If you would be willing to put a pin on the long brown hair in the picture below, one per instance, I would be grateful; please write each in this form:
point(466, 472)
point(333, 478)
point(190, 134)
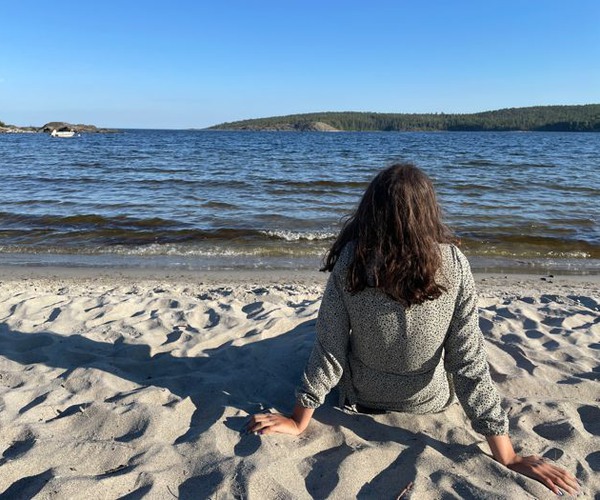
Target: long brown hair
point(396, 231)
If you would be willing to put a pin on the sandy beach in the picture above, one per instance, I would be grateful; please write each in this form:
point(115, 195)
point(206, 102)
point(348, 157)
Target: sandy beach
point(131, 384)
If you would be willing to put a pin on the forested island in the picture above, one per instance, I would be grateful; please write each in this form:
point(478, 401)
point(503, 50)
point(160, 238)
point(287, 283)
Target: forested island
point(583, 118)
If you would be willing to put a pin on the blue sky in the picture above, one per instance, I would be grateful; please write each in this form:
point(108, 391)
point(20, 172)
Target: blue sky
point(183, 64)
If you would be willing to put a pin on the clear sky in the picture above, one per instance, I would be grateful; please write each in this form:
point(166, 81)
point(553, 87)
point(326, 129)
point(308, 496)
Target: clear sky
point(181, 64)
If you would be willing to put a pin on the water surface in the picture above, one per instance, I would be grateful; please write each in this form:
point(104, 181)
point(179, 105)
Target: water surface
point(275, 199)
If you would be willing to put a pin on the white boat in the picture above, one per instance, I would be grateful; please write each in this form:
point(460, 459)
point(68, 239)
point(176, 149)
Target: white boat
point(62, 133)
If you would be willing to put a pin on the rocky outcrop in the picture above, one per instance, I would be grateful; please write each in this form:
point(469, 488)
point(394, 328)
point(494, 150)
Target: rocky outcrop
point(50, 126)
point(318, 127)
point(79, 128)
point(306, 126)
point(11, 129)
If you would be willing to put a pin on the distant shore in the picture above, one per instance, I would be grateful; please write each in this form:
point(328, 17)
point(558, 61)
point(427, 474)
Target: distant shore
point(585, 118)
point(48, 127)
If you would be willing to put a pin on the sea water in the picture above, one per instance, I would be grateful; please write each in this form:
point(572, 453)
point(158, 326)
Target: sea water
point(215, 199)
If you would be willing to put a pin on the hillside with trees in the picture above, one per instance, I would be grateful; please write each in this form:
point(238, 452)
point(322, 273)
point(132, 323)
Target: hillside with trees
point(583, 118)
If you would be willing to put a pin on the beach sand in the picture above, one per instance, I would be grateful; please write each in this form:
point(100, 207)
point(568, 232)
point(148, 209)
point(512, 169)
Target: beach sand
point(136, 384)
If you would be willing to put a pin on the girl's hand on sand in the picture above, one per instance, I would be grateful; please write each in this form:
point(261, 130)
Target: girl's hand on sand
point(271, 423)
point(556, 479)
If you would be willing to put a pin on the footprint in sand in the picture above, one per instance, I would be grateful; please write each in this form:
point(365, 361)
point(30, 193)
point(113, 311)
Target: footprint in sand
point(590, 375)
point(213, 318)
point(529, 324)
point(319, 480)
point(174, 336)
point(590, 418)
point(570, 381)
point(11, 311)
point(553, 321)
point(534, 334)
point(511, 338)
point(527, 300)
point(191, 329)
point(18, 448)
point(137, 431)
point(504, 312)
point(517, 354)
point(551, 345)
point(554, 431)
point(28, 487)
point(485, 325)
point(556, 331)
point(54, 314)
point(300, 307)
point(593, 460)
point(204, 485)
point(547, 299)
point(587, 302)
point(247, 445)
point(253, 310)
point(554, 453)
point(32, 404)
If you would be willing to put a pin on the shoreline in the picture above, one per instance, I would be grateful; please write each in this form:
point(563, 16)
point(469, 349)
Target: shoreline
point(269, 276)
point(181, 265)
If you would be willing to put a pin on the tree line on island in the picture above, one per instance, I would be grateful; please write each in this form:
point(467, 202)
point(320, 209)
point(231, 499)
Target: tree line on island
point(583, 118)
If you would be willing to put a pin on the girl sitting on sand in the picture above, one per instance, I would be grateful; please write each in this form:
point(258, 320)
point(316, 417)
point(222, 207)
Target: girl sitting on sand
point(398, 325)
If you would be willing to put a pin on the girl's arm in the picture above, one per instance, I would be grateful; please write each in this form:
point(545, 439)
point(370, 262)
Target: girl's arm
point(324, 368)
point(270, 423)
point(556, 479)
point(466, 360)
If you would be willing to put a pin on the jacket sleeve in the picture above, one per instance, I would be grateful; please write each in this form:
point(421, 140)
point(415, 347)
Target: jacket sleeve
point(465, 359)
point(327, 360)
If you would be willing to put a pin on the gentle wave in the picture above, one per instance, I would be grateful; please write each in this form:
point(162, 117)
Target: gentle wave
point(318, 184)
point(96, 229)
point(479, 163)
point(149, 232)
point(282, 248)
point(531, 247)
point(298, 236)
point(80, 221)
point(219, 205)
point(174, 250)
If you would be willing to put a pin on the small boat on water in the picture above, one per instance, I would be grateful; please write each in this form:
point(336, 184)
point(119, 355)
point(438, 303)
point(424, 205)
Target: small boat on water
point(63, 132)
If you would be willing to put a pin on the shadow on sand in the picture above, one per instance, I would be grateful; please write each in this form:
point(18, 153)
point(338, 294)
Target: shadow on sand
point(226, 377)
